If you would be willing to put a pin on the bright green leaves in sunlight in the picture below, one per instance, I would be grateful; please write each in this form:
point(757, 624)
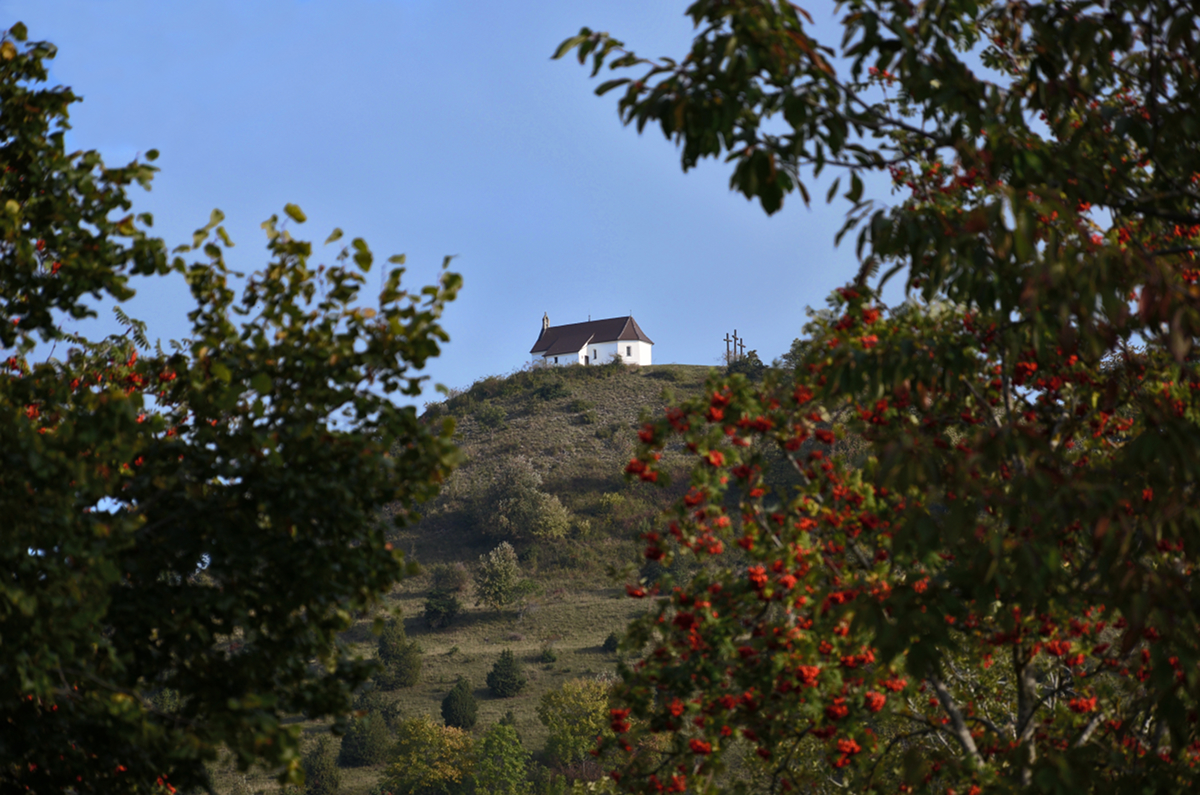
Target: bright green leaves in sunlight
point(186, 531)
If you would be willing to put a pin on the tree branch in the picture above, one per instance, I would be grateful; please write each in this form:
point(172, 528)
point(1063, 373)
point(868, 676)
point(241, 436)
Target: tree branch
point(958, 724)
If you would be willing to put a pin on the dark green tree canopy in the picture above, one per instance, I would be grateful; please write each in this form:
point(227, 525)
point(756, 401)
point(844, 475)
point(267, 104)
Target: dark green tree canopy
point(459, 708)
point(200, 521)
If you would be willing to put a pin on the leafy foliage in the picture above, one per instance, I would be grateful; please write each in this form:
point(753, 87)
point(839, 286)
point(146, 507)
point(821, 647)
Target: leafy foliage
point(399, 657)
point(441, 608)
point(575, 713)
point(450, 577)
point(367, 741)
point(749, 365)
point(612, 643)
point(514, 506)
point(489, 415)
point(431, 760)
point(502, 762)
point(506, 680)
point(321, 774)
point(459, 708)
point(262, 450)
point(498, 577)
point(1000, 594)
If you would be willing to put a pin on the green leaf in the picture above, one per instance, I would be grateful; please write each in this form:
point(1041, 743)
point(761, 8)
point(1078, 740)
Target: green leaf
point(295, 213)
point(362, 255)
point(571, 44)
point(856, 188)
point(396, 259)
point(833, 189)
point(152, 154)
point(336, 234)
point(609, 85)
point(262, 383)
point(19, 31)
point(219, 370)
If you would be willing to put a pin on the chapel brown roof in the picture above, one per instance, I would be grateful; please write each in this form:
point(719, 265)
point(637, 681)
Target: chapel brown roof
point(571, 337)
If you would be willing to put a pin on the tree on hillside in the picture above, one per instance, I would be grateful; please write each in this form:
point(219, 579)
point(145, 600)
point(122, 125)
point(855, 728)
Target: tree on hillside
point(506, 680)
point(431, 759)
point(574, 714)
point(321, 774)
point(502, 762)
point(367, 741)
point(498, 577)
point(459, 708)
point(399, 657)
point(514, 506)
point(201, 521)
point(1000, 598)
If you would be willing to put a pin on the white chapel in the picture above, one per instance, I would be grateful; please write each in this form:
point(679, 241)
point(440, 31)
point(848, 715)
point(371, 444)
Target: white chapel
point(593, 342)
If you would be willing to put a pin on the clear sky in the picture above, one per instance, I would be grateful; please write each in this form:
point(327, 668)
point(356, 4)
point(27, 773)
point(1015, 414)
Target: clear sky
point(436, 127)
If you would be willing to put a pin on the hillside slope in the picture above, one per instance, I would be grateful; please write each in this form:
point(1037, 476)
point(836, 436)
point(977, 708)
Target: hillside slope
point(566, 434)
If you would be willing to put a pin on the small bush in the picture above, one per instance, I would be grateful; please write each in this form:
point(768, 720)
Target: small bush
point(400, 658)
point(366, 742)
point(505, 679)
point(375, 702)
point(608, 431)
point(749, 365)
point(489, 415)
point(547, 654)
point(552, 389)
point(612, 643)
point(452, 577)
point(321, 775)
point(441, 608)
point(459, 708)
point(579, 404)
point(589, 418)
point(672, 374)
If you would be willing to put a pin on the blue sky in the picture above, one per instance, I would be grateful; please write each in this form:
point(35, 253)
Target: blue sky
point(435, 127)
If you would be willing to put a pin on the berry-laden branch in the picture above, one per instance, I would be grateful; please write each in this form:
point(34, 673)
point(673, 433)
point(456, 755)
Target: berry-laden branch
point(972, 512)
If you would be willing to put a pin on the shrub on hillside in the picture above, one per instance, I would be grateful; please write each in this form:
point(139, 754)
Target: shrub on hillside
point(400, 658)
point(748, 365)
point(504, 499)
point(666, 373)
point(612, 643)
point(441, 608)
point(498, 577)
point(489, 415)
point(515, 506)
point(378, 703)
point(366, 742)
point(321, 775)
point(451, 577)
point(553, 388)
point(505, 679)
point(459, 708)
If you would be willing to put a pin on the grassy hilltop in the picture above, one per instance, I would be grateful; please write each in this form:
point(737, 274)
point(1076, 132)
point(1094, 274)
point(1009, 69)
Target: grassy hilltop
point(566, 434)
